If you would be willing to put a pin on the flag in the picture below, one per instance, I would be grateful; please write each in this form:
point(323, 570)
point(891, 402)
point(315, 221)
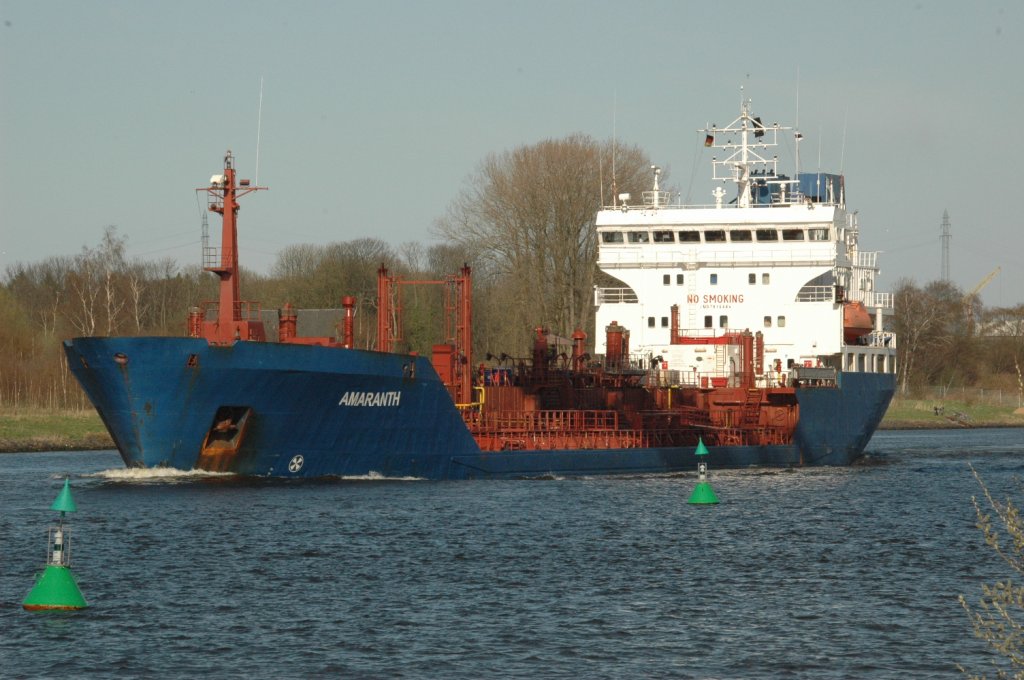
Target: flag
point(709, 140)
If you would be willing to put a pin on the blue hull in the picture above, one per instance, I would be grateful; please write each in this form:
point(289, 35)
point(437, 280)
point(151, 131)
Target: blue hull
point(317, 411)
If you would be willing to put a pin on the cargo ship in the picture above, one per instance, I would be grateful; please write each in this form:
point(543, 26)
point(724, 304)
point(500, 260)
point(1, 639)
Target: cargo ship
point(751, 324)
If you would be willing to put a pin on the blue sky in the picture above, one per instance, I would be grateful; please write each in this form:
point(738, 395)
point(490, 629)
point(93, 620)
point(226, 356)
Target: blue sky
point(375, 114)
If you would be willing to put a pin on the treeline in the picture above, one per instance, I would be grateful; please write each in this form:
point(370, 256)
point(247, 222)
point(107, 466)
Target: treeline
point(524, 222)
point(947, 338)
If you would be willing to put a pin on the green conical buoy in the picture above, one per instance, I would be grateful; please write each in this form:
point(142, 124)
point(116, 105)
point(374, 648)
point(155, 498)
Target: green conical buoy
point(702, 494)
point(64, 502)
point(56, 587)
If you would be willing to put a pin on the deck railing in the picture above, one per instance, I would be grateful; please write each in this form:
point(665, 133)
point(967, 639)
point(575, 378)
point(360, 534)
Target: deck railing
point(816, 294)
point(608, 296)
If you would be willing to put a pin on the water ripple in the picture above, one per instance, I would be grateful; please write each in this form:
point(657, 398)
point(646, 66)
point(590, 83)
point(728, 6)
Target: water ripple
point(823, 573)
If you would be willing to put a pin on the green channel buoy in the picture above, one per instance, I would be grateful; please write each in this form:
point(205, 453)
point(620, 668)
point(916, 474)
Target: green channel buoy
point(56, 587)
point(64, 502)
point(702, 494)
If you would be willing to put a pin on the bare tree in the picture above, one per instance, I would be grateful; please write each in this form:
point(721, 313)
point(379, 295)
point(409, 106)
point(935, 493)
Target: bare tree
point(85, 284)
point(527, 216)
point(296, 261)
point(936, 345)
point(317, 276)
point(41, 288)
point(444, 258)
point(111, 260)
point(144, 281)
point(1003, 331)
point(413, 256)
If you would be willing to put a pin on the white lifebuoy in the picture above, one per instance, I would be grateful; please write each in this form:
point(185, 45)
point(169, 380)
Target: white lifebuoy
point(295, 464)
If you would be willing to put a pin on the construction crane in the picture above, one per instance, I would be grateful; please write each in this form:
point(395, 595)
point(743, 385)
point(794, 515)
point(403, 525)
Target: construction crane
point(971, 298)
point(984, 282)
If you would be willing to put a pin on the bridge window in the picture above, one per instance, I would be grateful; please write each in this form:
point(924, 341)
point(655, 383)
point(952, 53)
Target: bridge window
point(792, 234)
point(664, 322)
point(638, 237)
point(767, 234)
point(679, 279)
point(782, 322)
point(714, 236)
point(723, 321)
point(611, 237)
point(650, 322)
point(689, 237)
point(707, 322)
point(767, 322)
point(739, 235)
point(820, 234)
point(752, 279)
point(666, 279)
point(766, 279)
point(714, 279)
point(663, 237)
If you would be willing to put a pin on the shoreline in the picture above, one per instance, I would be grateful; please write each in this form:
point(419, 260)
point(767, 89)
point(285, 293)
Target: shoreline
point(32, 429)
point(94, 441)
point(924, 425)
point(41, 444)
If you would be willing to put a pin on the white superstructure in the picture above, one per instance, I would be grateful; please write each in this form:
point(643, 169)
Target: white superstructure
point(781, 258)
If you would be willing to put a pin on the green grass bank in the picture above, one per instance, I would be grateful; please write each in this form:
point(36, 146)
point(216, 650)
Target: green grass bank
point(45, 430)
point(29, 429)
point(952, 413)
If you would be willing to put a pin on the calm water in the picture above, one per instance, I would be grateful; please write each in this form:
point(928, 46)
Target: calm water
point(828, 573)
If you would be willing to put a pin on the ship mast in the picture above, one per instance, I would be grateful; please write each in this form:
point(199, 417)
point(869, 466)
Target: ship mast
point(236, 319)
point(745, 159)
